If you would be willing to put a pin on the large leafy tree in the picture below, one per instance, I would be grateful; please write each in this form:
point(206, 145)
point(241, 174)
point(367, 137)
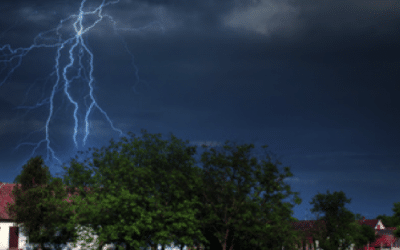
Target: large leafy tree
point(317, 232)
point(147, 192)
point(33, 174)
point(388, 221)
point(137, 197)
point(362, 235)
point(341, 229)
point(36, 208)
point(258, 221)
point(392, 221)
point(208, 229)
point(207, 226)
point(238, 238)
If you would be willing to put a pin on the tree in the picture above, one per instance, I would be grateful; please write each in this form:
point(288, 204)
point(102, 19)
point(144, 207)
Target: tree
point(47, 174)
point(341, 227)
point(148, 178)
point(208, 230)
point(33, 174)
point(34, 210)
point(316, 233)
point(273, 240)
point(207, 227)
point(358, 217)
point(235, 237)
point(392, 221)
point(363, 235)
point(137, 193)
point(359, 235)
point(229, 204)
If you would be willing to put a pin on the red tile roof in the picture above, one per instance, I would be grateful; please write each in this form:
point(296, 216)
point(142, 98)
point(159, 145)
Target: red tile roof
point(371, 223)
point(385, 240)
point(5, 197)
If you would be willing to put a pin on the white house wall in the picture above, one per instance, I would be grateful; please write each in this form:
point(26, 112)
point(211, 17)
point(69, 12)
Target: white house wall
point(5, 236)
point(379, 224)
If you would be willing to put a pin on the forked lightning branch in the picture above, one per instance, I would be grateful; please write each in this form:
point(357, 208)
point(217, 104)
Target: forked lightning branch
point(76, 47)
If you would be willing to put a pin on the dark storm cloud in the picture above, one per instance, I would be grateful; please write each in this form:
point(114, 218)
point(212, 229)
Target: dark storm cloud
point(242, 41)
point(315, 80)
point(302, 28)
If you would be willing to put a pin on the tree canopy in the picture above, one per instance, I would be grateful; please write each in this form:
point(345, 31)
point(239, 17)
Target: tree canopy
point(229, 176)
point(392, 221)
point(147, 191)
point(341, 228)
point(139, 187)
point(36, 206)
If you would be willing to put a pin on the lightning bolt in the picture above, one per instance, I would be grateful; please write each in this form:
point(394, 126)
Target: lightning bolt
point(77, 47)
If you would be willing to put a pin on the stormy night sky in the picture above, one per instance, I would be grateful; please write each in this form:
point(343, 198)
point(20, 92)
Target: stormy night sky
point(316, 81)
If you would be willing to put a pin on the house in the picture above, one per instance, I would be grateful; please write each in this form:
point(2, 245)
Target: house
point(10, 235)
point(385, 239)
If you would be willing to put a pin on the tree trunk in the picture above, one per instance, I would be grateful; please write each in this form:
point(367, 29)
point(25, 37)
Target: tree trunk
point(153, 246)
point(101, 245)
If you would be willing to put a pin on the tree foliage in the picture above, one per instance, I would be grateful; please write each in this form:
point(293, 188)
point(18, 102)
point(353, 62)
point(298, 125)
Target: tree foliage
point(139, 187)
point(147, 191)
point(36, 206)
point(229, 201)
point(33, 174)
point(363, 235)
point(342, 229)
point(392, 221)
